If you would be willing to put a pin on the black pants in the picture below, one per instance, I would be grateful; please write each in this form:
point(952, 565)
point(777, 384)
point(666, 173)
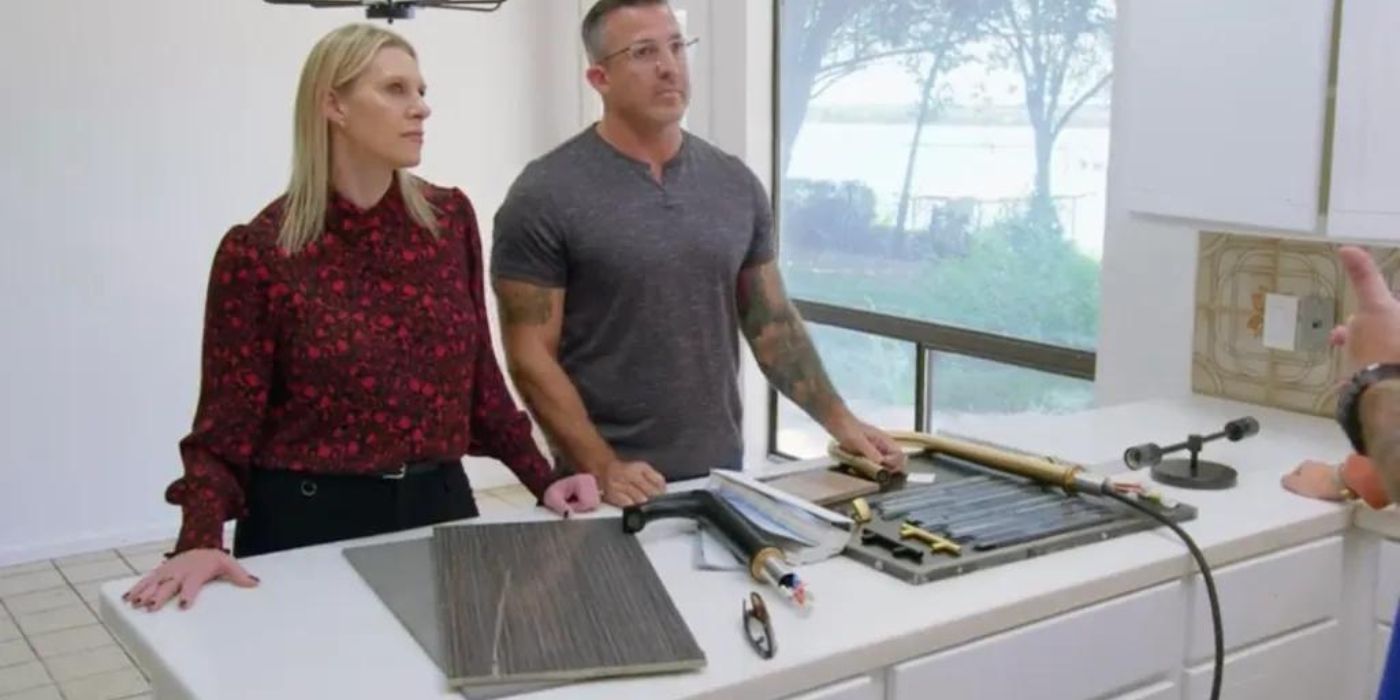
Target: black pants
point(288, 510)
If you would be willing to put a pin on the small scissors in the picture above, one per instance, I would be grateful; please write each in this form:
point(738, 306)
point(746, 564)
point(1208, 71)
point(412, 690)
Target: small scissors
point(762, 641)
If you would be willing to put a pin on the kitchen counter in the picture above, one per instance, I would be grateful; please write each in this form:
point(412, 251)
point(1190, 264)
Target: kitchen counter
point(314, 629)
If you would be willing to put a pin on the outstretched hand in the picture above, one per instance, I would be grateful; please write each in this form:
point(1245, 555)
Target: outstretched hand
point(1372, 334)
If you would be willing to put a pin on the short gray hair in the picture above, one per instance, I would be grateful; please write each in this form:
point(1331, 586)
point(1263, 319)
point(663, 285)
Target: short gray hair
point(592, 29)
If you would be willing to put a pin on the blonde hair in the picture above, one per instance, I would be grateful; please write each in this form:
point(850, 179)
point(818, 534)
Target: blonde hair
point(335, 63)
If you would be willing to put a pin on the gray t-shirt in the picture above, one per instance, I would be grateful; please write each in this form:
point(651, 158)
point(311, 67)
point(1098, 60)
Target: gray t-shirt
point(649, 272)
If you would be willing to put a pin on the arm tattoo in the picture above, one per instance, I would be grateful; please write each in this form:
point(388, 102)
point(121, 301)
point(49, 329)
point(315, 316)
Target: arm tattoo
point(525, 305)
point(781, 345)
point(1380, 425)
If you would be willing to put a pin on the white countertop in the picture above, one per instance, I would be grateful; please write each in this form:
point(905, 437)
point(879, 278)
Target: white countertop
point(314, 629)
point(1385, 523)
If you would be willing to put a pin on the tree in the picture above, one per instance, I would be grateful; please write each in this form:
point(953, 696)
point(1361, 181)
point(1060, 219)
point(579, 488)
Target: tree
point(943, 29)
point(826, 40)
point(1057, 46)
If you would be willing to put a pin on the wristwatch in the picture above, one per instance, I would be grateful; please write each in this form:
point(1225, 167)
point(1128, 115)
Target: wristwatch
point(1349, 400)
point(1344, 492)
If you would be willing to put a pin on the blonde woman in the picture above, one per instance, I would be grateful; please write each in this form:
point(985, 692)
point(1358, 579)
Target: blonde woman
point(347, 362)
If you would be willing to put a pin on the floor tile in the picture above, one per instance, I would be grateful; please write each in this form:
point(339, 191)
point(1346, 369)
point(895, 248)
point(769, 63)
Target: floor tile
point(89, 592)
point(71, 667)
point(106, 686)
point(71, 640)
point(23, 677)
point(43, 692)
point(32, 567)
point(86, 558)
point(158, 547)
point(28, 583)
point(15, 651)
point(8, 630)
point(39, 601)
point(143, 563)
point(54, 620)
point(96, 571)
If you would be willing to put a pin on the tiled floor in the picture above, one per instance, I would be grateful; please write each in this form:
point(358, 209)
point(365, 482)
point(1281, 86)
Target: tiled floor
point(53, 647)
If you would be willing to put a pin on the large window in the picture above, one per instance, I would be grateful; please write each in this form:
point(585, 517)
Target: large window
point(942, 169)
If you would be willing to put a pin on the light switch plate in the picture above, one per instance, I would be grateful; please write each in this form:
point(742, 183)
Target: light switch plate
point(1317, 316)
point(1281, 322)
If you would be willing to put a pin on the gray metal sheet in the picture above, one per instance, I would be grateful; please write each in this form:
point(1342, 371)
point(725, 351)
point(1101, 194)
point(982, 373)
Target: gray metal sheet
point(629, 627)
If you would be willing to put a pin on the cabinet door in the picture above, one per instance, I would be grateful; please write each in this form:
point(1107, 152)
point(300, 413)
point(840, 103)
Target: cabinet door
point(1380, 649)
point(1225, 107)
point(1165, 690)
point(1387, 581)
point(1123, 643)
point(1266, 596)
point(860, 688)
point(1365, 194)
point(1292, 667)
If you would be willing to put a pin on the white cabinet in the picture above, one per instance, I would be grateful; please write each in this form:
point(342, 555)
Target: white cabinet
point(1380, 647)
point(1365, 192)
point(1226, 106)
point(1267, 596)
point(1156, 691)
point(1123, 643)
point(861, 688)
point(1294, 667)
point(1387, 582)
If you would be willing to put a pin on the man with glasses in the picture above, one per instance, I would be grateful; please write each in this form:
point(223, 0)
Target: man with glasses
point(627, 261)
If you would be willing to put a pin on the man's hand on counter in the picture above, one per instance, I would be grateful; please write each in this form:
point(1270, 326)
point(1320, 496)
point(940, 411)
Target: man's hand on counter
point(858, 437)
point(1355, 478)
point(1315, 479)
point(629, 483)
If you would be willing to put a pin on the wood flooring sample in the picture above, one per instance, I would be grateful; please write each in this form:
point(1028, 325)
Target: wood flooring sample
point(550, 601)
point(824, 486)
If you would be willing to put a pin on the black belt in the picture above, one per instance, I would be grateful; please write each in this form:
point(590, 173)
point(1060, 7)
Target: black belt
point(408, 469)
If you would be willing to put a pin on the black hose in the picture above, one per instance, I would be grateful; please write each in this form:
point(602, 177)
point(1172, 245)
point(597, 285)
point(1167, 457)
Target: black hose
point(699, 505)
point(1205, 574)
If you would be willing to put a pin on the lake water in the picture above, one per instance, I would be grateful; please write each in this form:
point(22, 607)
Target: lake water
point(979, 162)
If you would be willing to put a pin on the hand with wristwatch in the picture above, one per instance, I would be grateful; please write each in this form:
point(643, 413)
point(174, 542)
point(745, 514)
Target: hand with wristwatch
point(1371, 338)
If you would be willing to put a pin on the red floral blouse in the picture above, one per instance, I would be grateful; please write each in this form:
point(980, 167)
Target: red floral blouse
point(367, 349)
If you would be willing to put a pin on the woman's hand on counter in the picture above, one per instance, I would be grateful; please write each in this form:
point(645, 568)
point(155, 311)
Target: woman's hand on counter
point(183, 575)
point(572, 494)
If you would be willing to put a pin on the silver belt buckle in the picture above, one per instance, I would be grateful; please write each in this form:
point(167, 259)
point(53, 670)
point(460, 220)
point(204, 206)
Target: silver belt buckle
point(397, 474)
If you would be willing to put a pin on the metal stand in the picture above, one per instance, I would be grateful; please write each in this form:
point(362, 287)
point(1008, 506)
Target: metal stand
point(1192, 473)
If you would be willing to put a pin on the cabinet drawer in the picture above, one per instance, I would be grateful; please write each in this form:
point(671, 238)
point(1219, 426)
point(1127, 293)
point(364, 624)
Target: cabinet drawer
point(1267, 596)
point(1387, 581)
point(1165, 690)
point(1126, 642)
point(861, 688)
point(1378, 652)
point(1293, 667)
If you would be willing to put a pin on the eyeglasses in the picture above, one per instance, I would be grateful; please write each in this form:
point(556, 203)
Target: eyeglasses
point(649, 52)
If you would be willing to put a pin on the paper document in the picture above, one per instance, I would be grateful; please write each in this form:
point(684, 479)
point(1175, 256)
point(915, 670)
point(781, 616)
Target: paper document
point(806, 533)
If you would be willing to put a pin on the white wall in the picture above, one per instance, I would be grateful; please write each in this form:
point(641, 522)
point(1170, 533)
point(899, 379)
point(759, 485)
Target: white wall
point(1147, 314)
point(134, 135)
